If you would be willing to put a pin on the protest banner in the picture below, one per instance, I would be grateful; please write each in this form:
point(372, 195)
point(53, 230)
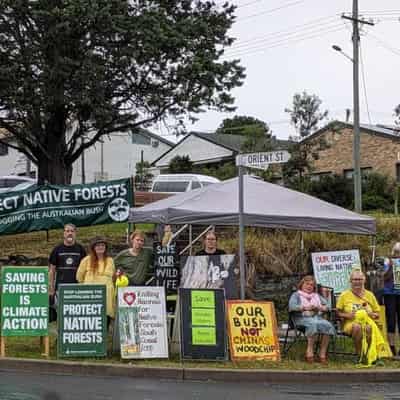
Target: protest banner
point(333, 268)
point(166, 266)
point(82, 322)
point(202, 316)
point(24, 303)
point(252, 330)
point(211, 272)
point(142, 321)
point(51, 206)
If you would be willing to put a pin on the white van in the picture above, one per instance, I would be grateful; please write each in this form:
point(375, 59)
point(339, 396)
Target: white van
point(177, 183)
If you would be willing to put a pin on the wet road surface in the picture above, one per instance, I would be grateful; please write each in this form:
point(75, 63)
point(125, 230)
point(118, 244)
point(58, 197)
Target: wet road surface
point(24, 386)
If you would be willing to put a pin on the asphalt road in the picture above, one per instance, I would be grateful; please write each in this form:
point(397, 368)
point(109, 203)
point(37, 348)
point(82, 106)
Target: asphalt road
point(24, 386)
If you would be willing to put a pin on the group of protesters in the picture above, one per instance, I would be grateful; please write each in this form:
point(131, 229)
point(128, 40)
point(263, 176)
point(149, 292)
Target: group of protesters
point(358, 310)
point(69, 263)
point(357, 307)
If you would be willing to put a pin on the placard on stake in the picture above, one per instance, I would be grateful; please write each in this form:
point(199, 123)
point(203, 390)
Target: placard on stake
point(24, 305)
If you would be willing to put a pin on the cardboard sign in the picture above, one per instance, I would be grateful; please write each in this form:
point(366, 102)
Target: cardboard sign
point(333, 268)
point(82, 323)
point(202, 315)
point(142, 320)
point(166, 265)
point(252, 330)
point(396, 272)
point(24, 301)
point(211, 272)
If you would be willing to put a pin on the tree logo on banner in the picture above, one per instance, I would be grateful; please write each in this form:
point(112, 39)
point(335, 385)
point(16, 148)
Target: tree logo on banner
point(118, 210)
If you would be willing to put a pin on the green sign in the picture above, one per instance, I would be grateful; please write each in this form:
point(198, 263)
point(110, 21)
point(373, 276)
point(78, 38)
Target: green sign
point(24, 301)
point(203, 336)
point(82, 322)
point(203, 318)
point(51, 206)
point(203, 299)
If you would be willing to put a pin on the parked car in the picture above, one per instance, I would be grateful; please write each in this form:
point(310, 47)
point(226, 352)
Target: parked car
point(178, 183)
point(10, 182)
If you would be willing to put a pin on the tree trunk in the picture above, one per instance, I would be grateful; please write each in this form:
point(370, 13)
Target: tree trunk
point(54, 171)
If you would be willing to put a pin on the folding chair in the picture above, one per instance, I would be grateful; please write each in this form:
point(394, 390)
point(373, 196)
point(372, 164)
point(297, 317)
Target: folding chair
point(298, 332)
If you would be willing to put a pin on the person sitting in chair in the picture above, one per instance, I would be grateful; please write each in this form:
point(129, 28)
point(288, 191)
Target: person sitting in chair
point(308, 307)
point(352, 300)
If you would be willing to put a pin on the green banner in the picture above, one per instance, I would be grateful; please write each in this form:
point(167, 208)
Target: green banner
point(24, 301)
point(52, 206)
point(82, 322)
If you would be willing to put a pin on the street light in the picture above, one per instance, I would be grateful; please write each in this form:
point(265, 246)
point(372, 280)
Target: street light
point(339, 49)
point(356, 122)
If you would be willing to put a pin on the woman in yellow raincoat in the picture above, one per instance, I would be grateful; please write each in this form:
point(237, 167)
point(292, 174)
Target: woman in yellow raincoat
point(98, 268)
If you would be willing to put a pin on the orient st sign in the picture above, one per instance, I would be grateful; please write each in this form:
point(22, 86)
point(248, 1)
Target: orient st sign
point(262, 160)
point(259, 161)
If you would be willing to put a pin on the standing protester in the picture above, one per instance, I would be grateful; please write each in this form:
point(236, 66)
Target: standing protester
point(63, 263)
point(98, 268)
point(136, 262)
point(391, 299)
point(210, 246)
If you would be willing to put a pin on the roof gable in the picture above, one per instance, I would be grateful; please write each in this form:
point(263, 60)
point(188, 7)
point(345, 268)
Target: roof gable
point(364, 128)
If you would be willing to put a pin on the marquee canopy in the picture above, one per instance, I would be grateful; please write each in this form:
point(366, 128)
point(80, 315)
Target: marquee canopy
point(265, 205)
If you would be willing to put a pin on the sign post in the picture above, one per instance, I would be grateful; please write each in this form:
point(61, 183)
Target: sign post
point(258, 161)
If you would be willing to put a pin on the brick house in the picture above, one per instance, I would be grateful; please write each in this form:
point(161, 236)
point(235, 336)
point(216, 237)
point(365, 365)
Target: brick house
point(379, 150)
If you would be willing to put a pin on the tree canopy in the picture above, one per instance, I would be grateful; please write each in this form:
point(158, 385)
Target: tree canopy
point(305, 113)
point(245, 126)
point(72, 71)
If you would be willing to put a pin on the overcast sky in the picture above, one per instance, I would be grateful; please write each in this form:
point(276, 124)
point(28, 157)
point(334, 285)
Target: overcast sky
point(286, 47)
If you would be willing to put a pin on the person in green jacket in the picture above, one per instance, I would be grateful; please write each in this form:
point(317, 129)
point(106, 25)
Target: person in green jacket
point(136, 262)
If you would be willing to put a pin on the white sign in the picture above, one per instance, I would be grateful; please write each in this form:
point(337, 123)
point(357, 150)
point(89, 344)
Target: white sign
point(142, 320)
point(333, 268)
point(262, 160)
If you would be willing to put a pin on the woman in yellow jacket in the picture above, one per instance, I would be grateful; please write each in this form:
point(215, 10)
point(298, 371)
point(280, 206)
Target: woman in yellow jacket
point(98, 268)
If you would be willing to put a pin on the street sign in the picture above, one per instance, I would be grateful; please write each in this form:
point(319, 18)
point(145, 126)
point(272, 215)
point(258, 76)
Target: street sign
point(262, 160)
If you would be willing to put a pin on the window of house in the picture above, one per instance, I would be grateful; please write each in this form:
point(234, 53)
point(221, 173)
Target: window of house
point(398, 172)
point(3, 149)
point(365, 171)
point(138, 138)
point(317, 176)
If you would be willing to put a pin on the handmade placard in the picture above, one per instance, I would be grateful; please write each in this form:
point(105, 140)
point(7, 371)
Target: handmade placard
point(252, 330)
point(142, 322)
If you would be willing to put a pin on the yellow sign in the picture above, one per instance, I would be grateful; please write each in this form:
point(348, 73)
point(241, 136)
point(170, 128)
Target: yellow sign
point(252, 330)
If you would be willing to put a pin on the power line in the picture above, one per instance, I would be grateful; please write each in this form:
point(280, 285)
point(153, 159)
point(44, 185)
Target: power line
point(271, 10)
point(283, 42)
point(325, 21)
point(383, 44)
point(364, 86)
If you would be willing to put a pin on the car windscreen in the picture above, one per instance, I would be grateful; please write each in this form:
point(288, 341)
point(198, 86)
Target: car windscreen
point(170, 186)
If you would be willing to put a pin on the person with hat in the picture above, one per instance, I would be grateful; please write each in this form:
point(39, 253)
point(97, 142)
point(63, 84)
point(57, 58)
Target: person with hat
point(98, 268)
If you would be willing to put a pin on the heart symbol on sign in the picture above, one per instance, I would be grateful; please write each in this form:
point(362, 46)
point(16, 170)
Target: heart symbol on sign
point(129, 298)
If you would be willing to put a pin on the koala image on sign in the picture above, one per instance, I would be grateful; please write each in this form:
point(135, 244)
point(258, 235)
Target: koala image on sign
point(211, 272)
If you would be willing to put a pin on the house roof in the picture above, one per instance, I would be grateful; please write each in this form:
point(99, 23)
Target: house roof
point(228, 141)
point(233, 142)
point(156, 137)
point(381, 130)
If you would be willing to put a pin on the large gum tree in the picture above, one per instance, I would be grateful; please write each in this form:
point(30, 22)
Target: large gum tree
point(73, 71)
